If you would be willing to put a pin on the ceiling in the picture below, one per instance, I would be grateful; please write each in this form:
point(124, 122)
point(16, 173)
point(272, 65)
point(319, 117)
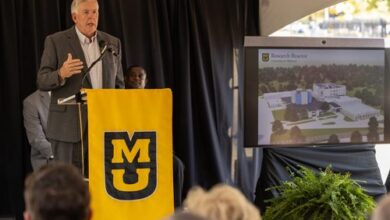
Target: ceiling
point(275, 14)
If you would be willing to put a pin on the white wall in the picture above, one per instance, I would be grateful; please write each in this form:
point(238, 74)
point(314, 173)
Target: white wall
point(383, 158)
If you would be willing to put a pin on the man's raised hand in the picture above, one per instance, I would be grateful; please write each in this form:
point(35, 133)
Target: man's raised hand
point(70, 67)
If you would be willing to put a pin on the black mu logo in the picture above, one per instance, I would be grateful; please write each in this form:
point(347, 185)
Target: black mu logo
point(265, 57)
point(130, 164)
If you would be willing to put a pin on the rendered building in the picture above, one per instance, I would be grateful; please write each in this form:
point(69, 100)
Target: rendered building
point(328, 90)
point(301, 97)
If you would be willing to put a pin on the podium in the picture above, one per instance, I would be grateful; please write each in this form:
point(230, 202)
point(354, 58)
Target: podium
point(78, 99)
point(130, 153)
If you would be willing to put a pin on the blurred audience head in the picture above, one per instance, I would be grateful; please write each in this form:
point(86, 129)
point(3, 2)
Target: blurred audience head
point(135, 77)
point(222, 202)
point(56, 192)
point(382, 211)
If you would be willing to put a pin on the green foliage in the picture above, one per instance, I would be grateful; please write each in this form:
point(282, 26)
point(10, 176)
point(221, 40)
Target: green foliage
point(373, 4)
point(323, 195)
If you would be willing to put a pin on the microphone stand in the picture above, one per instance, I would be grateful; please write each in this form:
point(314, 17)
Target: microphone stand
point(80, 101)
point(78, 96)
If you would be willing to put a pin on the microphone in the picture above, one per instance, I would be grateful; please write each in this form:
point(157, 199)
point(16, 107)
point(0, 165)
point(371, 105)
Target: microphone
point(103, 46)
point(112, 50)
point(103, 49)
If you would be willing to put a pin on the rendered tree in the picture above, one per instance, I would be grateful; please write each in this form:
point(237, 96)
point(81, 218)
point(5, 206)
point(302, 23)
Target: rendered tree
point(356, 137)
point(296, 135)
point(274, 138)
point(373, 135)
point(325, 106)
point(291, 114)
point(263, 89)
point(333, 139)
point(277, 127)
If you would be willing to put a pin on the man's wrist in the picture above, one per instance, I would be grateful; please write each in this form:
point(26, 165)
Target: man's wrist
point(61, 80)
point(60, 75)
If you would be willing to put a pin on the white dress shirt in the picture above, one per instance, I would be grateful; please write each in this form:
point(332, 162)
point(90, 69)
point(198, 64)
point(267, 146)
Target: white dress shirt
point(91, 51)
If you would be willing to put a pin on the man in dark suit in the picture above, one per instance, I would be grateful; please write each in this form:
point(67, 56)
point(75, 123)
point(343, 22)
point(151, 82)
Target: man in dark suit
point(64, 63)
point(135, 77)
point(35, 112)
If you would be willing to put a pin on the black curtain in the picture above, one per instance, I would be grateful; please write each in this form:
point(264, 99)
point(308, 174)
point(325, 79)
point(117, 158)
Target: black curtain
point(186, 45)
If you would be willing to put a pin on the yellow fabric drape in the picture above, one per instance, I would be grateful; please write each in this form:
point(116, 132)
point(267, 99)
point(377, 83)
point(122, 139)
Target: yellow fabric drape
point(130, 153)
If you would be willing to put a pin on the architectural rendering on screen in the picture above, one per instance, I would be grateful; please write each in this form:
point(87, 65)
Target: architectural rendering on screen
point(320, 96)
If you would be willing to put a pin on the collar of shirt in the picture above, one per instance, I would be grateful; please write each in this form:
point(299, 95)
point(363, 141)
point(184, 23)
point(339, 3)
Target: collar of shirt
point(83, 39)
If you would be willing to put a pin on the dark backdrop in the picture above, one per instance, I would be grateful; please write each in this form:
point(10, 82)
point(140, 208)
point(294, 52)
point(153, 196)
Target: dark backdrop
point(185, 45)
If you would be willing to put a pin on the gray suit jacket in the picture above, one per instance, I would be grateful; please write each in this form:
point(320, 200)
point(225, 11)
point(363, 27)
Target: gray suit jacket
point(63, 122)
point(35, 112)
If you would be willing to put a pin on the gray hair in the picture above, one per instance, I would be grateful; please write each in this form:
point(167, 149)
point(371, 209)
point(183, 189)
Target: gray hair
point(76, 3)
point(382, 211)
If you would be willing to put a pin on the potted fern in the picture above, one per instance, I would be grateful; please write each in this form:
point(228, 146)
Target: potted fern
point(323, 195)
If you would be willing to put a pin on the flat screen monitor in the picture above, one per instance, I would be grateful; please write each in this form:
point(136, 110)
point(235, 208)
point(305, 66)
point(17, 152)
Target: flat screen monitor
point(310, 91)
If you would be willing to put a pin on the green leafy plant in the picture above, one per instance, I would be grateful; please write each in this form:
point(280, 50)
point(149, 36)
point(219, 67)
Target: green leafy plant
point(323, 195)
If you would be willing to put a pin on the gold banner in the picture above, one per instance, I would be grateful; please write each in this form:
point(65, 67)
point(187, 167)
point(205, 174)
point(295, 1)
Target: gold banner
point(130, 153)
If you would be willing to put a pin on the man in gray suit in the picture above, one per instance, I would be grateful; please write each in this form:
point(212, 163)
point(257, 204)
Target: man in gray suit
point(64, 63)
point(35, 111)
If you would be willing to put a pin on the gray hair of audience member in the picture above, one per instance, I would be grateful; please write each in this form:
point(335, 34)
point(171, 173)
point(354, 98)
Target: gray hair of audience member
point(382, 211)
point(56, 192)
point(222, 202)
point(76, 3)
